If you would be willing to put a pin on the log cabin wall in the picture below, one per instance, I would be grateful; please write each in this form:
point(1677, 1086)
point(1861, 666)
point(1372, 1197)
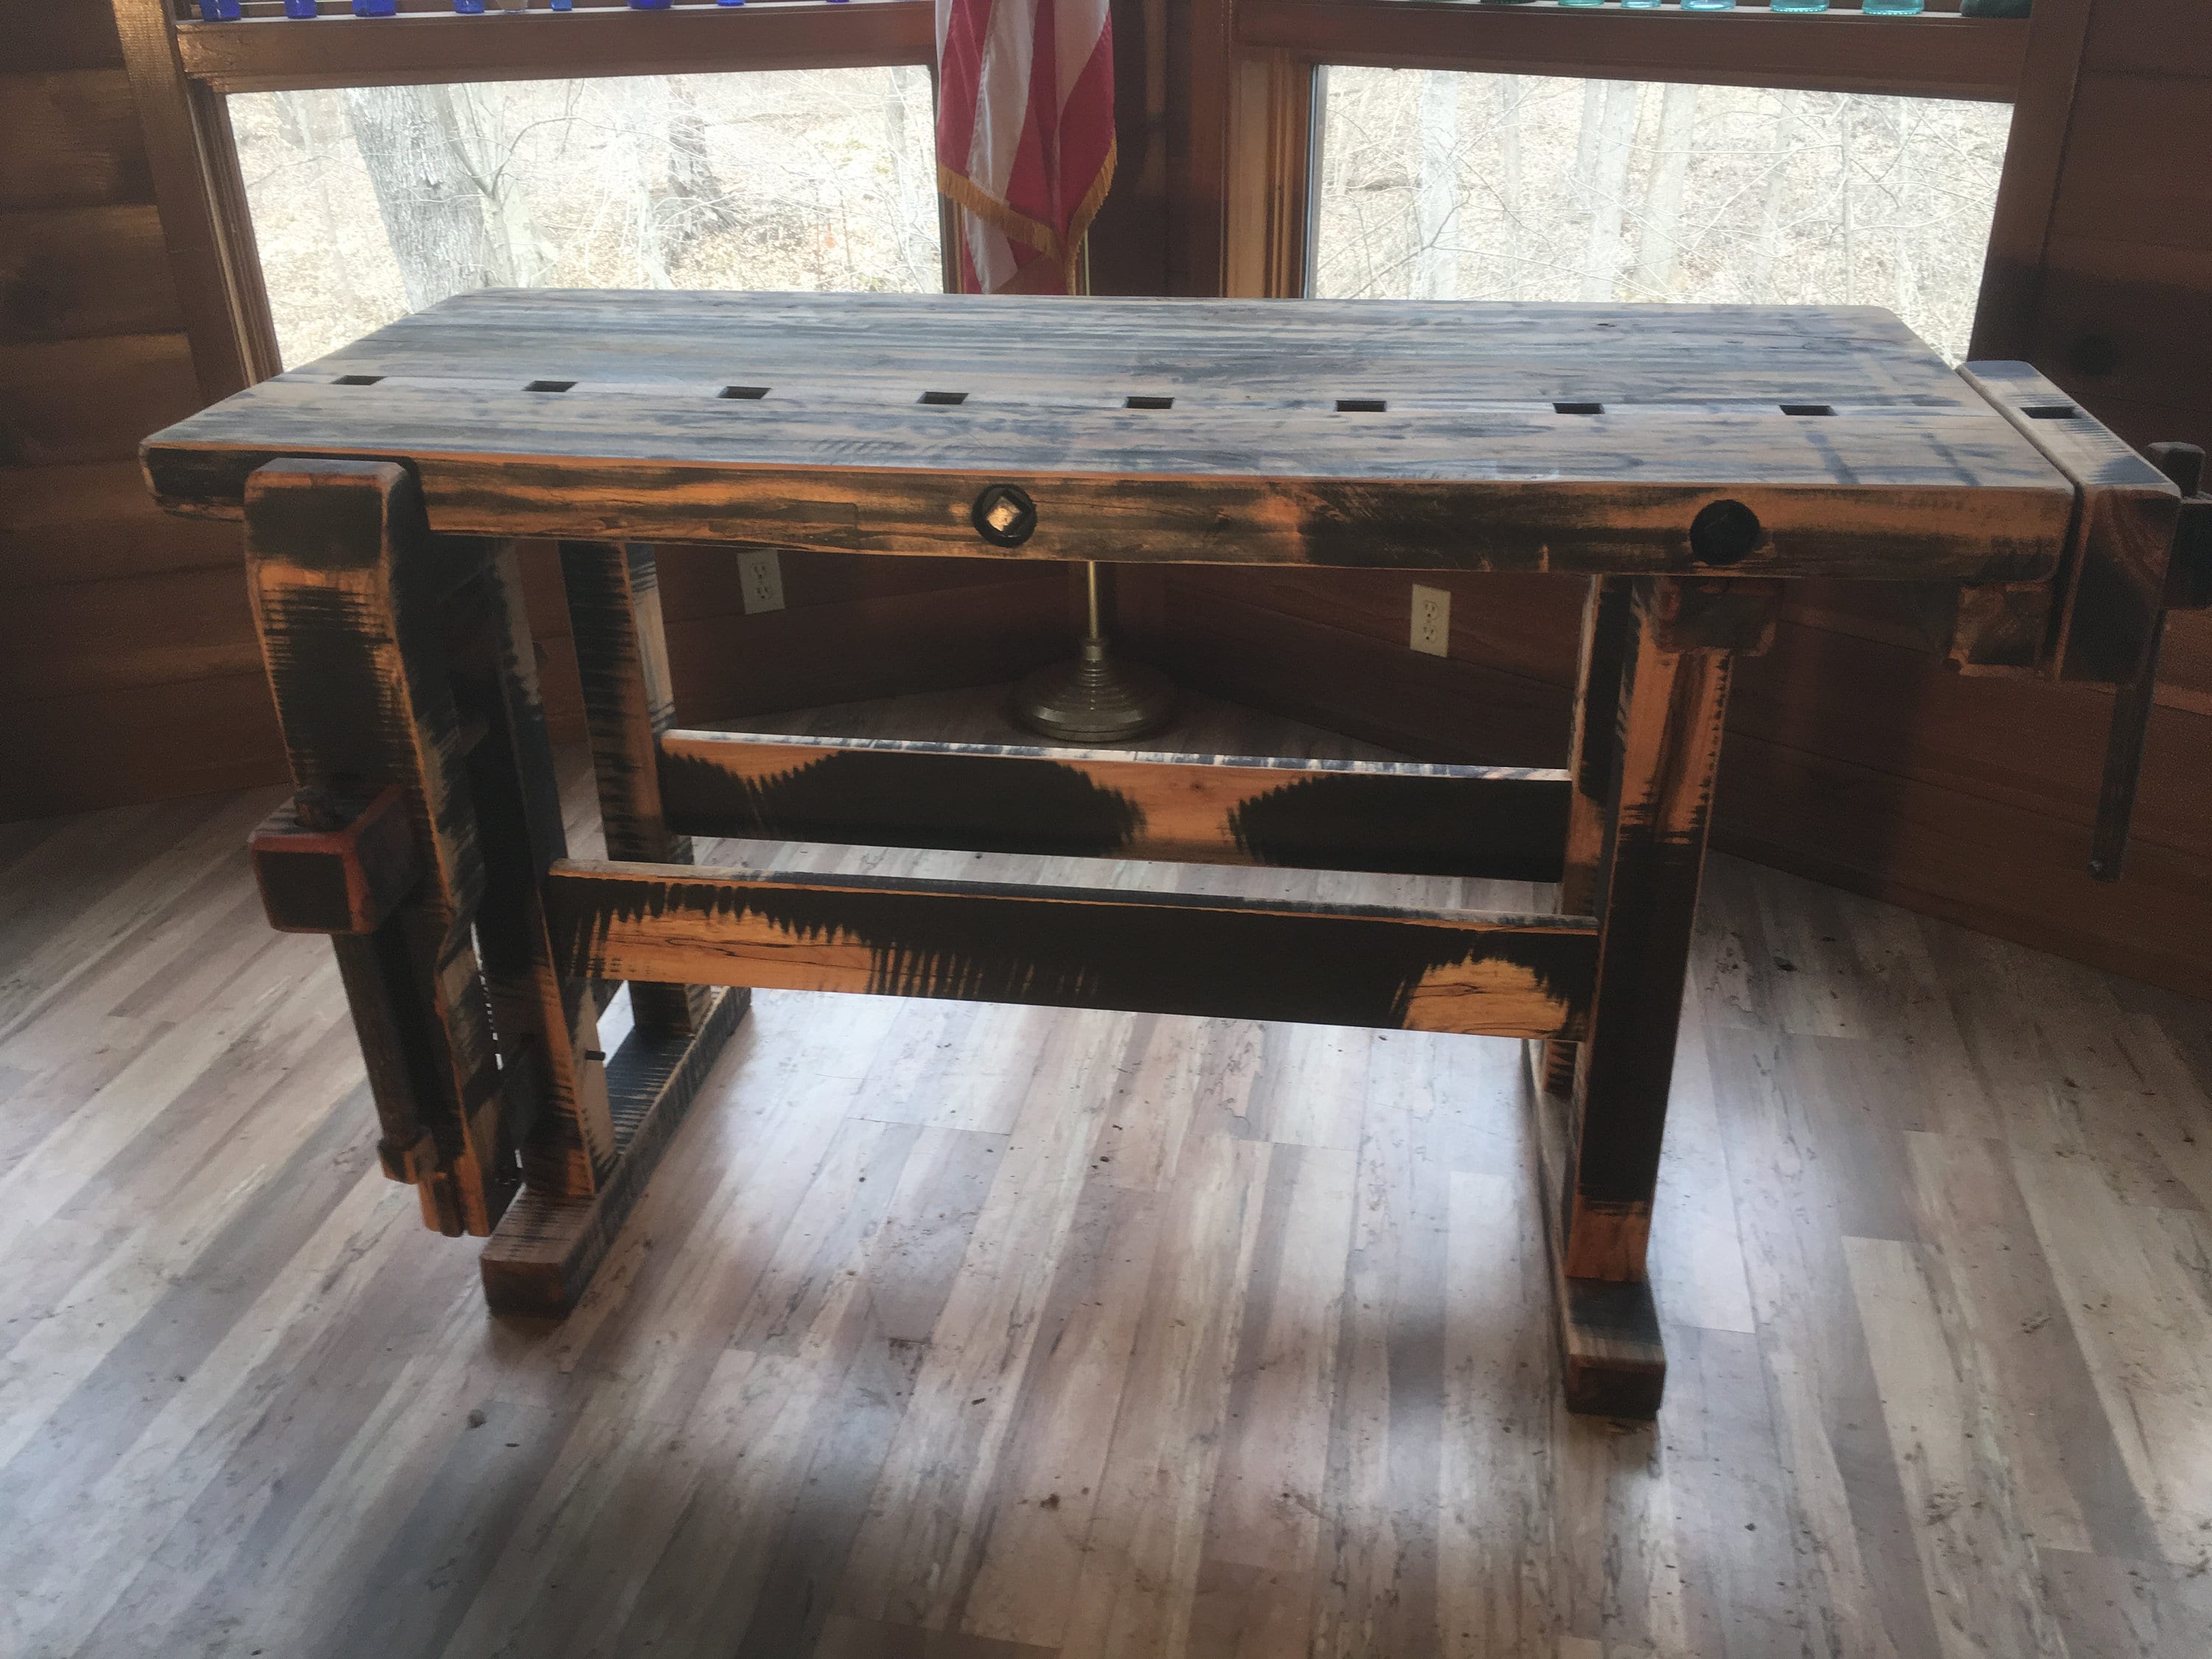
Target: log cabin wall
point(1852, 757)
point(128, 665)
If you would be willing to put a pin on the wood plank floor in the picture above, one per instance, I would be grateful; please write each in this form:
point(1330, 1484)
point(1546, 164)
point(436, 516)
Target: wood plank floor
point(958, 1332)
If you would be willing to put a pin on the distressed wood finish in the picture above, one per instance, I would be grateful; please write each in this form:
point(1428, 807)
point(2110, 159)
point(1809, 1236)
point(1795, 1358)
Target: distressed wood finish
point(2112, 587)
point(1665, 748)
point(1503, 823)
point(1607, 620)
point(546, 1247)
point(550, 1047)
point(1270, 452)
point(348, 585)
point(622, 663)
point(1073, 947)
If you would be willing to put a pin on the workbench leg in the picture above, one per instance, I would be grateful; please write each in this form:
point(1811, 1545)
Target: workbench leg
point(1602, 1151)
point(1590, 751)
point(621, 660)
point(552, 1240)
point(348, 589)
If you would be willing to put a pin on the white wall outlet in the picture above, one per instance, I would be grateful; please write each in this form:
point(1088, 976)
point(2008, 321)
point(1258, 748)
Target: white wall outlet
point(1432, 620)
point(760, 580)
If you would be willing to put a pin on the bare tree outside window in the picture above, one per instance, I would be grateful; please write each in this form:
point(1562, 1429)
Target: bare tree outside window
point(1439, 185)
point(373, 202)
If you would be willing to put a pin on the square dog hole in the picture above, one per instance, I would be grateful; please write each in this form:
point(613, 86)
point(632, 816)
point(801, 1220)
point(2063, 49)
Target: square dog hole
point(944, 399)
point(1577, 408)
point(1808, 408)
point(357, 380)
point(743, 392)
point(1361, 405)
point(549, 385)
point(2051, 412)
point(1149, 403)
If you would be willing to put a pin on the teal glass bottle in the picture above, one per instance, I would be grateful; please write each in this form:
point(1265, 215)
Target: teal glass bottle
point(1796, 5)
point(1581, 4)
point(1893, 8)
point(1643, 5)
point(1708, 5)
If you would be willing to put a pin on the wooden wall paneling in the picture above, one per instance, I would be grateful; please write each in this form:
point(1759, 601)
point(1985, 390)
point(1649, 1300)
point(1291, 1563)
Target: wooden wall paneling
point(71, 272)
point(193, 164)
point(137, 742)
point(1199, 75)
point(94, 521)
point(62, 641)
point(71, 140)
point(91, 399)
point(43, 36)
point(1128, 241)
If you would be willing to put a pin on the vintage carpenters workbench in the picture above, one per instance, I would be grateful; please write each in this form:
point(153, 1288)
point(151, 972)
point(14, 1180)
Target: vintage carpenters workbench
point(1686, 460)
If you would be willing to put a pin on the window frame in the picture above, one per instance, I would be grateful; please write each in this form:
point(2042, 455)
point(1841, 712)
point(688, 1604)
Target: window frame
point(182, 73)
point(1280, 48)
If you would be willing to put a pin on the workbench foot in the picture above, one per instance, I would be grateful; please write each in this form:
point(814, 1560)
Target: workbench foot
point(546, 1248)
point(1611, 1362)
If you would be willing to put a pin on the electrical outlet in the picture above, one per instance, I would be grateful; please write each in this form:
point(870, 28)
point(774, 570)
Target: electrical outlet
point(760, 580)
point(1432, 620)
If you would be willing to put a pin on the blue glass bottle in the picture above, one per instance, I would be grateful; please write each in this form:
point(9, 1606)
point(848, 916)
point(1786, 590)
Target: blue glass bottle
point(561, 5)
point(218, 11)
point(299, 8)
point(1893, 8)
point(469, 8)
point(729, 3)
point(374, 8)
point(649, 5)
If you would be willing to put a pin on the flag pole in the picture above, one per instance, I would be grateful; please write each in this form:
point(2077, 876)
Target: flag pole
point(1098, 697)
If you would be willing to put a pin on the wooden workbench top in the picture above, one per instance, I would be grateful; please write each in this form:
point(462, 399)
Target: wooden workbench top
point(1367, 433)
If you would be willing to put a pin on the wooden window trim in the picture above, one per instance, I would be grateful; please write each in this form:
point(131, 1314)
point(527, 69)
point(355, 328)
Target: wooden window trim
point(279, 55)
point(1932, 56)
point(1280, 47)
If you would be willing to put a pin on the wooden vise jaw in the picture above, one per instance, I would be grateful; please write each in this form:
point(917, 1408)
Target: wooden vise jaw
point(326, 864)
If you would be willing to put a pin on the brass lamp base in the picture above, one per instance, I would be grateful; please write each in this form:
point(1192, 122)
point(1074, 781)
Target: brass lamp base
point(1097, 698)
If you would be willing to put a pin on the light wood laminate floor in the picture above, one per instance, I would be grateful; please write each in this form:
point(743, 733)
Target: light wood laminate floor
point(958, 1332)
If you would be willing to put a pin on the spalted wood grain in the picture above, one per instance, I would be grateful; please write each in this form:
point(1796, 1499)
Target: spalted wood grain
point(622, 665)
point(346, 583)
point(1658, 808)
point(1163, 953)
point(1270, 451)
point(546, 1247)
point(1503, 823)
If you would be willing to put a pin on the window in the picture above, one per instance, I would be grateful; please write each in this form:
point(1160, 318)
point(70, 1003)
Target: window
point(1446, 185)
point(369, 202)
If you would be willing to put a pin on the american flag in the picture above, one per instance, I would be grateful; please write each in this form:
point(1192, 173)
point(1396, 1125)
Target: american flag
point(1024, 136)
